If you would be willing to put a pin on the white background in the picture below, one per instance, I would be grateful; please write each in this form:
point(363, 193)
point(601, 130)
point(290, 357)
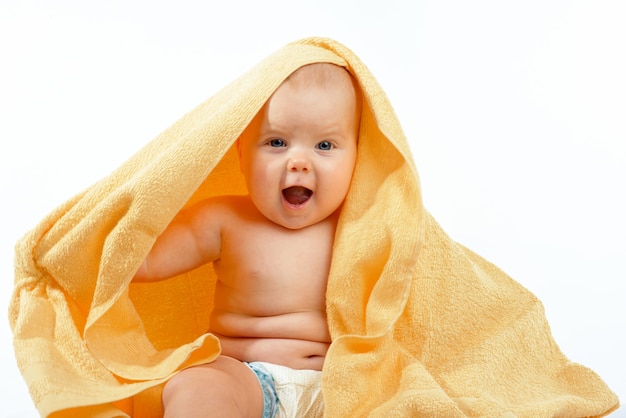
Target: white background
point(515, 111)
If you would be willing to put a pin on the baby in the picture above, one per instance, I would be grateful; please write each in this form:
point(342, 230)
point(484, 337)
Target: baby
point(271, 252)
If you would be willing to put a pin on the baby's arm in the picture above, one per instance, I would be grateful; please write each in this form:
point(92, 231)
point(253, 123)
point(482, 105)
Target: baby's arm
point(190, 240)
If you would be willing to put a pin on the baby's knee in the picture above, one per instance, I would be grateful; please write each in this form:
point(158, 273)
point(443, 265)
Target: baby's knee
point(184, 383)
point(213, 386)
point(190, 393)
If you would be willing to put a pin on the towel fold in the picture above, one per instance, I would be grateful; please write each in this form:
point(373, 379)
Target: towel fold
point(421, 326)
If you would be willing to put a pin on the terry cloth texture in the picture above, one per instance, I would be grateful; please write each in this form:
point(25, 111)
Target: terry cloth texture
point(420, 325)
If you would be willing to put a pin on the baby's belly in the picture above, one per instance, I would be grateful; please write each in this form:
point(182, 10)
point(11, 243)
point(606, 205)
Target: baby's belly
point(304, 325)
point(296, 339)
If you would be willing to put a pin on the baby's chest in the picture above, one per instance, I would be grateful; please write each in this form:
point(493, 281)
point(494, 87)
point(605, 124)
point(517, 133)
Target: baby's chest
point(274, 259)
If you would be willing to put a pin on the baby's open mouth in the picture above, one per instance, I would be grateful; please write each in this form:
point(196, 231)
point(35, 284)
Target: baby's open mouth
point(297, 195)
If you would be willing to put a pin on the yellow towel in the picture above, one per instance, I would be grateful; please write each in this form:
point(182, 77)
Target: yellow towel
point(421, 326)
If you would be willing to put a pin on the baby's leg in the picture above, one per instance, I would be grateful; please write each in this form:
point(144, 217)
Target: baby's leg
point(223, 388)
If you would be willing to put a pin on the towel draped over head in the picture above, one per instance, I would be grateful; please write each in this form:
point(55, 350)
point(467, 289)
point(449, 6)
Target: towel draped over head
point(420, 325)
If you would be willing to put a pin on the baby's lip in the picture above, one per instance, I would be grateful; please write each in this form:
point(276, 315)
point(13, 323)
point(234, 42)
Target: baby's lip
point(297, 195)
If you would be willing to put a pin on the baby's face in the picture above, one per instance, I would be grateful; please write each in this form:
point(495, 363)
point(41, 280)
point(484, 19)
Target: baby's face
point(298, 155)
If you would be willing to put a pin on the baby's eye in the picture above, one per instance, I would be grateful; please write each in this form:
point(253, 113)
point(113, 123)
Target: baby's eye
point(325, 146)
point(276, 143)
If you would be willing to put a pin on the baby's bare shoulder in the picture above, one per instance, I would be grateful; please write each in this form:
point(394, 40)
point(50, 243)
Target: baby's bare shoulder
point(224, 201)
point(219, 205)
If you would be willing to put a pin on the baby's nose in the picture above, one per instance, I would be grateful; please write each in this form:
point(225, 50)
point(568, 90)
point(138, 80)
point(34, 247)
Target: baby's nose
point(299, 162)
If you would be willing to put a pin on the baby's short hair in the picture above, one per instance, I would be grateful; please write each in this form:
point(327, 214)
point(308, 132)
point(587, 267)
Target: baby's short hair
point(323, 74)
point(318, 73)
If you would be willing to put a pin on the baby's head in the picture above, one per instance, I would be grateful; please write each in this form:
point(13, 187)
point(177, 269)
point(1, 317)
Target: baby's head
point(298, 154)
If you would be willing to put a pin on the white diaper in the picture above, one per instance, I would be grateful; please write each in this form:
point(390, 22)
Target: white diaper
point(299, 391)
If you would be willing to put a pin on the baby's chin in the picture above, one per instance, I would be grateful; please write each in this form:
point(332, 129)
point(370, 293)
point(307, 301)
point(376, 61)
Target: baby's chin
point(295, 215)
point(296, 222)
